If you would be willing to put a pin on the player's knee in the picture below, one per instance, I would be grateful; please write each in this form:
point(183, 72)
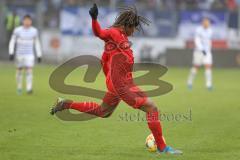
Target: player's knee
point(208, 66)
point(153, 109)
point(196, 66)
point(150, 106)
point(29, 69)
point(195, 69)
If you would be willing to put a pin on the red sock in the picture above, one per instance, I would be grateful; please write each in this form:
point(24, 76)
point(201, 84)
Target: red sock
point(155, 126)
point(87, 107)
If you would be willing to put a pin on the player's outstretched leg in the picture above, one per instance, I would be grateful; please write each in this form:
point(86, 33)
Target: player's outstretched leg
point(191, 77)
point(19, 77)
point(104, 110)
point(155, 126)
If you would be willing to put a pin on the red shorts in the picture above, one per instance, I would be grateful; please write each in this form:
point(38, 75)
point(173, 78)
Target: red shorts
point(129, 93)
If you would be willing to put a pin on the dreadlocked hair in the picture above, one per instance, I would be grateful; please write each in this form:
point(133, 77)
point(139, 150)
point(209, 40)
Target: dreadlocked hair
point(128, 17)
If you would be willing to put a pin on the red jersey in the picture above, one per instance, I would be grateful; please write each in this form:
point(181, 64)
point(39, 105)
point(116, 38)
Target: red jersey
point(117, 62)
point(116, 42)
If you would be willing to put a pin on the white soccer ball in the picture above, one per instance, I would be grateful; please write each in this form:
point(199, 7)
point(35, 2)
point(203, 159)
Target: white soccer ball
point(150, 143)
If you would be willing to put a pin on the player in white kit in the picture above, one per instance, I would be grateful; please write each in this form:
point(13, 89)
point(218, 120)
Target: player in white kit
point(23, 42)
point(202, 54)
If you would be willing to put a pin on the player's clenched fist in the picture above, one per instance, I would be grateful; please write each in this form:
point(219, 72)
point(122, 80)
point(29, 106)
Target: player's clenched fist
point(94, 11)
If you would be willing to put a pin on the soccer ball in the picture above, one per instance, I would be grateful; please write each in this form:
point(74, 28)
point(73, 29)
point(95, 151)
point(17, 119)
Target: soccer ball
point(150, 143)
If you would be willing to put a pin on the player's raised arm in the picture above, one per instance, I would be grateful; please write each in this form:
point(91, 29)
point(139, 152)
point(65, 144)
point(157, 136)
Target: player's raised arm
point(12, 45)
point(101, 33)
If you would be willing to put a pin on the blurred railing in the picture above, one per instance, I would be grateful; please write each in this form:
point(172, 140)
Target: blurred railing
point(66, 23)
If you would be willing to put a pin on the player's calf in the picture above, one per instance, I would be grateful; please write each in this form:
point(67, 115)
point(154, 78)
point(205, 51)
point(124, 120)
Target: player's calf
point(155, 126)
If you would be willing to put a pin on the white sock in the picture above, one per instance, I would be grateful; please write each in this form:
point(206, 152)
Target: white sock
point(191, 76)
point(19, 77)
point(208, 77)
point(29, 78)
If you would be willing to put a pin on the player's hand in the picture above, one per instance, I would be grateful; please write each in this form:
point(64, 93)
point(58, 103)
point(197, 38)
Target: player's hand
point(204, 52)
point(39, 59)
point(94, 11)
point(11, 57)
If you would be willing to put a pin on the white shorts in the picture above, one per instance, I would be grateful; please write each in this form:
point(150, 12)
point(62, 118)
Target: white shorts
point(200, 59)
point(23, 61)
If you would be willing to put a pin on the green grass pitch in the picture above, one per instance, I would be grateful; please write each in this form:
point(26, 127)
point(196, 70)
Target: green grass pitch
point(28, 131)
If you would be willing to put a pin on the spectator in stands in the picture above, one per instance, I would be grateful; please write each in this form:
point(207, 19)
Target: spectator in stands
point(219, 5)
point(12, 20)
point(232, 4)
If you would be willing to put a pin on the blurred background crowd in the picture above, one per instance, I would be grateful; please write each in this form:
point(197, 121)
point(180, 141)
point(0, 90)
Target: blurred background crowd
point(65, 26)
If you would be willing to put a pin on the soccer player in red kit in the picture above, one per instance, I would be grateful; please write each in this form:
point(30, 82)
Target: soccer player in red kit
point(117, 62)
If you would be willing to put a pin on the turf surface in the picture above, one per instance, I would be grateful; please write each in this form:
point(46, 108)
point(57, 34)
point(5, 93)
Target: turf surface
point(205, 124)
